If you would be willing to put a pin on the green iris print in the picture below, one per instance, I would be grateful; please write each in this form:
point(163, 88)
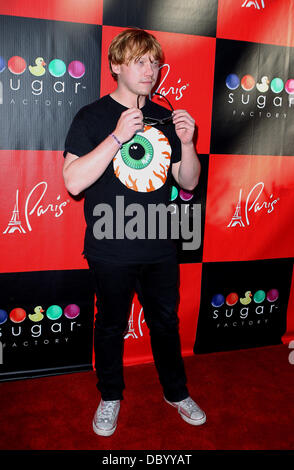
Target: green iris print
point(137, 153)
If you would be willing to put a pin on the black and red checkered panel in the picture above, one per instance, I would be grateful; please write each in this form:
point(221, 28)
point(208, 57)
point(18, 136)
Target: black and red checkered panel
point(229, 63)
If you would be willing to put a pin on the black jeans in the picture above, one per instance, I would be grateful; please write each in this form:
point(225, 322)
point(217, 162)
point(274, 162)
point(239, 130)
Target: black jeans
point(157, 288)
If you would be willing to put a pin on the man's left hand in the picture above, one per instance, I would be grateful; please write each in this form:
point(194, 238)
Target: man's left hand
point(184, 125)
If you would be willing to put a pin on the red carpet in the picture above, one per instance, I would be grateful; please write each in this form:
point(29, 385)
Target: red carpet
point(247, 396)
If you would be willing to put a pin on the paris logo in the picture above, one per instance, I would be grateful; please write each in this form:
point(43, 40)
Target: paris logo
point(135, 325)
point(256, 202)
point(34, 204)
point(257, 4)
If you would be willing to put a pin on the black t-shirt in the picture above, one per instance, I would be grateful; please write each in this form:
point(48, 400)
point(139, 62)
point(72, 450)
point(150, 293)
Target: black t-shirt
point(140, 174)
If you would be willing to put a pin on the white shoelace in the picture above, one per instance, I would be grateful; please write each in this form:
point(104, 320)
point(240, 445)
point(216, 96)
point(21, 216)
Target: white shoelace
point(188, 402)
point(108, 410)
point(190, 405)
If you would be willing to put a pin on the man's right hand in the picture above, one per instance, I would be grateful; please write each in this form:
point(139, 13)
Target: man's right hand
point(130, 122)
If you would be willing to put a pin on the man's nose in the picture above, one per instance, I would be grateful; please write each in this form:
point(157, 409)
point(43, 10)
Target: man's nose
point(148, 69)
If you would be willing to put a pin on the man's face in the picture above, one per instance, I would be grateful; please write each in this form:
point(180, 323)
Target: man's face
point(139, 75)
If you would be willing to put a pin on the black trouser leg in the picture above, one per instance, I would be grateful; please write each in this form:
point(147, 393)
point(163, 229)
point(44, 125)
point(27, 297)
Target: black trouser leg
point(114, 292)
point(158, 293)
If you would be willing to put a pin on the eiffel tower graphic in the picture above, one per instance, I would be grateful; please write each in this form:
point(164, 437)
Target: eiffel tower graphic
point(14, 224)
point(249, 3)
point(237, 218)
point(131, 330)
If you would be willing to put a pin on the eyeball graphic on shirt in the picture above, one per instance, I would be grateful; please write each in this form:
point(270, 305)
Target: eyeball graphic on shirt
point(143, 162)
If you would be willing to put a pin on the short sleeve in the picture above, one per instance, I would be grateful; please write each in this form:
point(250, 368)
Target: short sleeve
point(78, 141)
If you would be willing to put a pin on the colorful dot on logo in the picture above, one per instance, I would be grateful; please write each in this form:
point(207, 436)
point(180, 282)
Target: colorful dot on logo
point(76, 69)
point(232, 299)
point(289, 86)
point(71, 311)
point(232, 81)
point(174, 193)
point(17, 65)
point(259, 296)
point(272, 295)
point(186, 195)
point(3, 316)
point(247, 83)
point(57, 68)
point(17, 315)
point(2, 64)
point(277, 85)
point(217, 300)
point(54, 312)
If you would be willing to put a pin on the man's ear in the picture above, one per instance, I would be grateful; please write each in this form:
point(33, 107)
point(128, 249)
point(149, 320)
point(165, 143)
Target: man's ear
point(115, 68)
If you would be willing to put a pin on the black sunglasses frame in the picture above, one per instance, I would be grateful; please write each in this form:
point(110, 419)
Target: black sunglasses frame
point(154, 121)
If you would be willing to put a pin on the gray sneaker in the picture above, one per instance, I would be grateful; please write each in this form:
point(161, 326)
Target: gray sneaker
point(105, 418)
point(189, 411)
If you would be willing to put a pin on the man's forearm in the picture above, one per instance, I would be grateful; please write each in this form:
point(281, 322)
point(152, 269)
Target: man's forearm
point(84, 171)
point(189, 170)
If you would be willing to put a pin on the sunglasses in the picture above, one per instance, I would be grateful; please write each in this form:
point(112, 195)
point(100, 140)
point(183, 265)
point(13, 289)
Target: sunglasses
point(149, 121)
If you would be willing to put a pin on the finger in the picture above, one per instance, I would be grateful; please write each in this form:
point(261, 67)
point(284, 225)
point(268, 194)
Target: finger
point(183, 111)
point(184, 125)
point(137, 122)
point(181, 128)
point(138, 128)
point(183, 117)
point(181, 125)
point(182, 114)
point(139, 125)
point(135, 116)
point(134, 120)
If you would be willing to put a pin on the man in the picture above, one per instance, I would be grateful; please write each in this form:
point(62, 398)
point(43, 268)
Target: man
point(111, 153)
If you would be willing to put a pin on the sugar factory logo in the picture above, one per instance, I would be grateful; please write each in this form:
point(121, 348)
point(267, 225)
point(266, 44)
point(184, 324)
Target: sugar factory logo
point(35, 204)
point(248, 309)
point(257, 201)
point(274, 99)
point(257, 4)
point(20, 329)
point(56, 68)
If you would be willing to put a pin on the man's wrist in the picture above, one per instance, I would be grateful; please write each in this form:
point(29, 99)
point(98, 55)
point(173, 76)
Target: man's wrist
point(117, 140)
point(188, 145)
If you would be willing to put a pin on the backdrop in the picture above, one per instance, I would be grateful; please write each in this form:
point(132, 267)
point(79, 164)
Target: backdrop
point(230, 64)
